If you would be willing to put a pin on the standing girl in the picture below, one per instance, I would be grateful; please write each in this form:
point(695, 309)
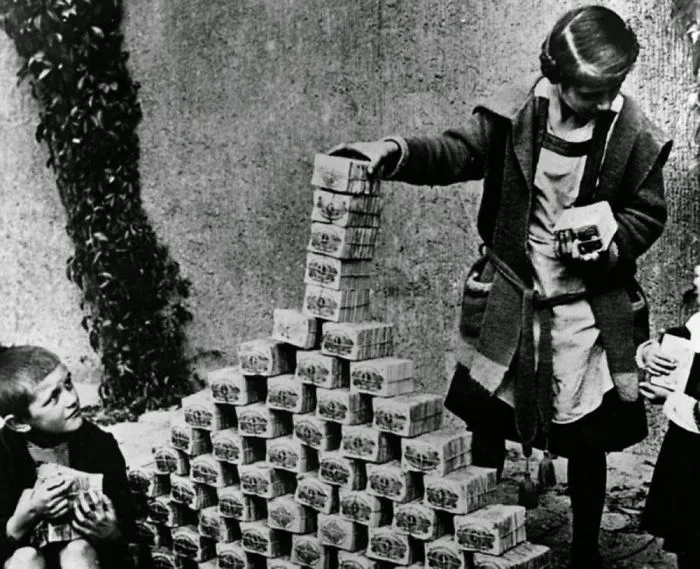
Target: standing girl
point(547, 329)
point(673, 502)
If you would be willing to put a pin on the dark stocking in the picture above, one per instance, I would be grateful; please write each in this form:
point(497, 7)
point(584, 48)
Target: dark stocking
point(689, 560)
point(489, 450)
point(587, 475)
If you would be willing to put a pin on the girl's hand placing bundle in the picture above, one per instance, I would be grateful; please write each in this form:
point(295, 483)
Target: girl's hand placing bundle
point(381, 153)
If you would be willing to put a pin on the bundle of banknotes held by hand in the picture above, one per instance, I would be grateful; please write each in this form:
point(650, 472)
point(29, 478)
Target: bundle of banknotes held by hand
point(588, 228)
point(61, 529)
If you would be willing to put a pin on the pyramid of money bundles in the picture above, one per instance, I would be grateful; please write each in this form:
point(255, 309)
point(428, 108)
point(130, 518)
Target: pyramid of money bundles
point(319, 450)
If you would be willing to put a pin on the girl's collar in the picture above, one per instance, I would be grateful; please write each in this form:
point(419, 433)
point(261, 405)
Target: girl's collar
point(546, 89)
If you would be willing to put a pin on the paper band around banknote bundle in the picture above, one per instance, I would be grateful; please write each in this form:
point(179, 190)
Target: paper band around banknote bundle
point(316, 432)
point(339, 470)
point(229, 386)
point(338, 274)
point(321, 370)
point(390, 481)
point(308, 551)
point(386, 544)
point(287, 514)
point(237, 505)
point(287, 393)
point(439, 452)
point(346, 210)
point(314, 493)
point(382, 377)
point(260, 479)
point(344, 175)
point(259, 539)
point(265, 357)
point(367, 443)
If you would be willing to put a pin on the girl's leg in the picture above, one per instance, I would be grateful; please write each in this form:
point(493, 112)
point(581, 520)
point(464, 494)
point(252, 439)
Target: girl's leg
point(78, 554)
point(25, 558)
point(489, 450)
point(587, 476)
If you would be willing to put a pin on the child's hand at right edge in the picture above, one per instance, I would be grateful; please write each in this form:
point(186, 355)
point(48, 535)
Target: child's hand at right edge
point(655, 363)
point(379, 152)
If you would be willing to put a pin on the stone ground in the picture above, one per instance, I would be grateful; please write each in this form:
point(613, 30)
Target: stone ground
point(623, 544)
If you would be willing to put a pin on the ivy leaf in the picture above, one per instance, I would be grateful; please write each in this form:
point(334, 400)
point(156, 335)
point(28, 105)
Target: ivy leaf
point(38, 56)
point(94, 340)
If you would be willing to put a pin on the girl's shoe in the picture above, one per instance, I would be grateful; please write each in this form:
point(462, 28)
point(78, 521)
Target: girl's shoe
point(586, 560)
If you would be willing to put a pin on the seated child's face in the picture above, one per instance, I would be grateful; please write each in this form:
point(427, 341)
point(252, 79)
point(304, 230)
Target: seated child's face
point(55, 407)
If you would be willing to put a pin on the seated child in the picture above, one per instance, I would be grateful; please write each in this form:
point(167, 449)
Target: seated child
point(673, 503)
point(43, 424)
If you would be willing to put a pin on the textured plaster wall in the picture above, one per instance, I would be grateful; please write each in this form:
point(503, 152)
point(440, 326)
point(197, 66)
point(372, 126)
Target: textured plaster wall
point(237, 97)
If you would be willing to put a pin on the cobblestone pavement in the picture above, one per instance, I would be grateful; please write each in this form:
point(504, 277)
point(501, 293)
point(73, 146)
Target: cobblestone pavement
point(623, 545)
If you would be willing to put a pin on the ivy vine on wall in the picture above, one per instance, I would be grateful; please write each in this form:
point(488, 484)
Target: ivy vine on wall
point(133, 296)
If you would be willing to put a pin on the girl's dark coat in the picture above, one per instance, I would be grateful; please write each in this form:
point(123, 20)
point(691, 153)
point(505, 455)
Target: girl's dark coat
point(498, 144)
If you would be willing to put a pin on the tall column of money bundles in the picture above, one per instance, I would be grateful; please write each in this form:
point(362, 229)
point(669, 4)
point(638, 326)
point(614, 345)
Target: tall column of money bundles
point(319, 450)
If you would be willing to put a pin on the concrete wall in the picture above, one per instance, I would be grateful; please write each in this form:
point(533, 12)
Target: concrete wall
point(237, 97)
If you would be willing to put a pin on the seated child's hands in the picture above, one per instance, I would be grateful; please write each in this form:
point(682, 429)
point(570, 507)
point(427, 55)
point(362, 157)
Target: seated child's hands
point(95, 516)
point(49, 498)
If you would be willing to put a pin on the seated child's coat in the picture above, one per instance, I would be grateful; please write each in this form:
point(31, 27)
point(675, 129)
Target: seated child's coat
point(91, 450)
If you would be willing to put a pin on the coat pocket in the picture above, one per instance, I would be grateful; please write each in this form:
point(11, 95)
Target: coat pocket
point(640, 312)
point(475, 293)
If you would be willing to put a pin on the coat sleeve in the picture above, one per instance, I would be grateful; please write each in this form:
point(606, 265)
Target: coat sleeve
point(9, 496)
point(640, 218)
point(116, 485)
point(457, 155)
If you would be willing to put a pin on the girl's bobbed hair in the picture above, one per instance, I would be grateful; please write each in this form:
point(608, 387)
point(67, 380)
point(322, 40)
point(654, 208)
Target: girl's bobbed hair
point(590, 45)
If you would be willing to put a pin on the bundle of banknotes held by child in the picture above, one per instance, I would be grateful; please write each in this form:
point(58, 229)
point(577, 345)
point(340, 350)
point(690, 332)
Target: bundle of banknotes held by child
point(588, 228)
point(80, 483)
